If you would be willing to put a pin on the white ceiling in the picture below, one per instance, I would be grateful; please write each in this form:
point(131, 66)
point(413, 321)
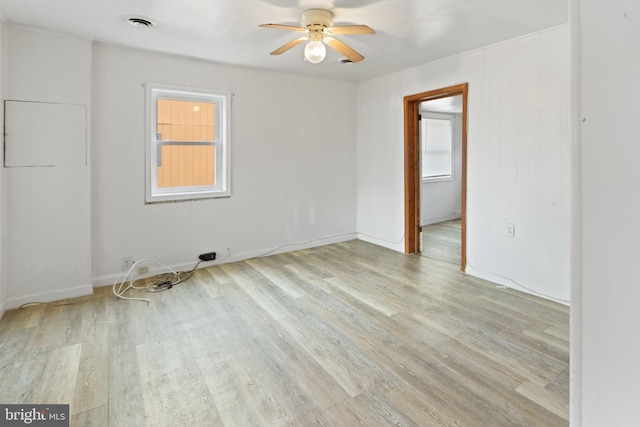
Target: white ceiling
point(408, 32)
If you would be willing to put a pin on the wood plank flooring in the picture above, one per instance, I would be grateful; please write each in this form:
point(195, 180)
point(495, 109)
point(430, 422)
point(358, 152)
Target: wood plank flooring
point(441, 241)
point(341, 335)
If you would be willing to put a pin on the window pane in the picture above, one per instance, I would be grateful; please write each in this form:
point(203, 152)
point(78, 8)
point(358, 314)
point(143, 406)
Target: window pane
point(188, 136)
point(186, 165)
point(437, 141)
point(185, 120)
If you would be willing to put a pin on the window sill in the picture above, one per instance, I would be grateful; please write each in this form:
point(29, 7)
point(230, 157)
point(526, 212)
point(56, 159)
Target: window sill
point(186, 197)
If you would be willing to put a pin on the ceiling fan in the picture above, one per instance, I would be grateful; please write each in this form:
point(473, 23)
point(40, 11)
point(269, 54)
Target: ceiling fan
point(316, 24)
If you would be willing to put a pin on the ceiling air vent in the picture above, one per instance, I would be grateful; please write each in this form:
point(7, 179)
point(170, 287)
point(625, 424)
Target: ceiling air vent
point(139, 21)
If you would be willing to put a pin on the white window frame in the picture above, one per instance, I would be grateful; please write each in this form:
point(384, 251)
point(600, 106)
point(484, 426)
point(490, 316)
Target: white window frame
point(423, 125)
point(222, 101)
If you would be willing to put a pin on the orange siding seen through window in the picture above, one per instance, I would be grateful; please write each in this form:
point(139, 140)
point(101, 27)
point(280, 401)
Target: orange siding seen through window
point(183, 164)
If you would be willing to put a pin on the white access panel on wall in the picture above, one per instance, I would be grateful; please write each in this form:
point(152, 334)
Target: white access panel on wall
point(40, 134)
point(48, 205)
point(47, 166)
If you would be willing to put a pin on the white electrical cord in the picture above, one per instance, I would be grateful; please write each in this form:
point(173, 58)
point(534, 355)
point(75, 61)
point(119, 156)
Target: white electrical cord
point(123, 283)
point(120, 289)
point(383, 240)
point(270, 251)
point(518, 284)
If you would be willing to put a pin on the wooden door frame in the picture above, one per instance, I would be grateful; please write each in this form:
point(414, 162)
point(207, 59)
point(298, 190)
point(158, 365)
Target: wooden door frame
point(412, 167)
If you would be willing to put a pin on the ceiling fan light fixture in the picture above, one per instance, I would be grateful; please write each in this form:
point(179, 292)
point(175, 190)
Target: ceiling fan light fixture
point(316, 23)
point(315, 51)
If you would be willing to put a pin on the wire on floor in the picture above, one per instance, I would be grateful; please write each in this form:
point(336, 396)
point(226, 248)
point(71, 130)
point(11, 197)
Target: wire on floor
point(518, 284)
point(168, 281)
point(122, 284)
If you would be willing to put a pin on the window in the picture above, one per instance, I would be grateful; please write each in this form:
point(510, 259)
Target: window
point(437, 146)
point(188, 144)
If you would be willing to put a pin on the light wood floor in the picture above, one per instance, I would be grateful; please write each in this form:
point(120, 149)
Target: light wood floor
point(341, 335)
point(441, 241)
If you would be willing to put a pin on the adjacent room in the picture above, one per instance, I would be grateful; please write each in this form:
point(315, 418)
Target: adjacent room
point(368, 212)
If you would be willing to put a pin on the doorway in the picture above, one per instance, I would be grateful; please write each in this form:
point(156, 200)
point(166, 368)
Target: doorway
point(412, 170)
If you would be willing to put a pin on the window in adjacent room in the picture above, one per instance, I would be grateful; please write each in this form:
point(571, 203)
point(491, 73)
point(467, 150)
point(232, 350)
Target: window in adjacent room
point(188, 144)
point(437, 146)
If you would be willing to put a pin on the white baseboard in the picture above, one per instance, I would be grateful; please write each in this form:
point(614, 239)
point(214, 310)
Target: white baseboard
point(449, 217)
point(398, 247)
point(292, 247)
point(222, 259)
point(508, 283)
point(59, 294)
point(154, 270)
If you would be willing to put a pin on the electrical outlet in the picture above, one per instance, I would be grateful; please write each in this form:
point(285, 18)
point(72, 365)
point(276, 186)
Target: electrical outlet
point(127, 262)
point(511, 230)
point(142, 270)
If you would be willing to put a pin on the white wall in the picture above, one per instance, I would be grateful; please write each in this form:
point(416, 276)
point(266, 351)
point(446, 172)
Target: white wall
point(518, 158)
point(609, 314)
point(292, 164)
point(442, 200)
point(3, 269)
point(47, 214)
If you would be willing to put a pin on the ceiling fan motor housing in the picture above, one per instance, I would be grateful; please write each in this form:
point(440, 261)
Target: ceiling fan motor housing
point(316, 18)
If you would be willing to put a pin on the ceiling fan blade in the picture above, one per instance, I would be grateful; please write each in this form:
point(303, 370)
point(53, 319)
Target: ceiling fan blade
point(350, 29)
point(283, 27)
point(288, 46)
point(343, 49)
